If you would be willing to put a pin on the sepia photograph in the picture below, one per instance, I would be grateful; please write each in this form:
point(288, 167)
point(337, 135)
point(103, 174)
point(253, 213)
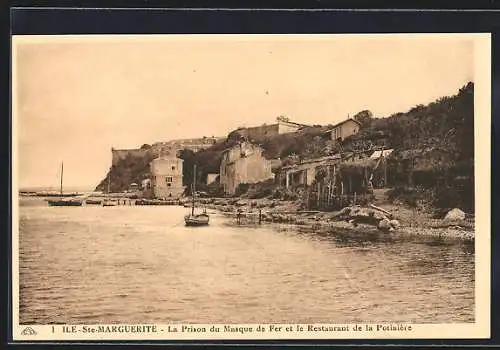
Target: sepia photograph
point(209, 185)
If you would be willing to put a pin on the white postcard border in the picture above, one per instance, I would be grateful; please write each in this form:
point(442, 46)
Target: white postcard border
point(482, 134)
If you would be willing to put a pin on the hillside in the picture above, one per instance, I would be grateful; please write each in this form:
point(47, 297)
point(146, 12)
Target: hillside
point(447, 124)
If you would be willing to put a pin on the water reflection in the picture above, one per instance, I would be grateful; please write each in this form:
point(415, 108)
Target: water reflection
point(94, 264)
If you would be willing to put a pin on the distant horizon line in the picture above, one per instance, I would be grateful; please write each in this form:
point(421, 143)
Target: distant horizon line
point(55, 188)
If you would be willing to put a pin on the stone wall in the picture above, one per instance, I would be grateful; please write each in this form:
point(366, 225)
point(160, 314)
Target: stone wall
point(168, 147)
point(285, 127)
point(260, 133)
point(195, 144)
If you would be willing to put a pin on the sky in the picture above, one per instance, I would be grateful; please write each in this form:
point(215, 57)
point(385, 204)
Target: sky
point(74, 98)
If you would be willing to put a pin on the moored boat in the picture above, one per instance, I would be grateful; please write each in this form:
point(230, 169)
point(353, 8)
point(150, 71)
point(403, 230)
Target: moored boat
point(93, 201)
point(107, 202)
point(201, 219)
point(64, 202)
point(193, 219)
point(72, 202)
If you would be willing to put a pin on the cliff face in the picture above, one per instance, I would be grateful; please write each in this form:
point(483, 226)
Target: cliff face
point(132, 165)
point(131, 168)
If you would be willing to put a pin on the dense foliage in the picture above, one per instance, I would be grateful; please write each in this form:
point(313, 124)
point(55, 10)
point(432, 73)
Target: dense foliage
point(448, 122)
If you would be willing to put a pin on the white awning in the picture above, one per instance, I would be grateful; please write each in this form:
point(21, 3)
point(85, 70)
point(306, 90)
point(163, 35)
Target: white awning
point(378, 154)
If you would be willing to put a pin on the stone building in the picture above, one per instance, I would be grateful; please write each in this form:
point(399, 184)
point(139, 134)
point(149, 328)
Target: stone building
point(166, 172)
point(304, 173)
point(243, 163)
point(260, 133)
point(344, 129)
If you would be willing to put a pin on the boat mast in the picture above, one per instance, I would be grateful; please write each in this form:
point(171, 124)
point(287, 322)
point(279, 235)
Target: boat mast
point(62, 172)
point(109, 180)
point(193, 189)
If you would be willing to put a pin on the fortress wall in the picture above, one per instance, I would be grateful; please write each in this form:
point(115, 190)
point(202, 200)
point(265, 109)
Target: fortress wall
point(172, 146)
point(259, 133)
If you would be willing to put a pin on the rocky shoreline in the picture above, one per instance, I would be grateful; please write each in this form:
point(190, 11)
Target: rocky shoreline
point(351, 221)
point(409, 222)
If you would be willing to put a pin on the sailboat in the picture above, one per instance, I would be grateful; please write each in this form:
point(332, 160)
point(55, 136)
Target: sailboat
point(64, 202)
point(108, 202)
point(193, 219)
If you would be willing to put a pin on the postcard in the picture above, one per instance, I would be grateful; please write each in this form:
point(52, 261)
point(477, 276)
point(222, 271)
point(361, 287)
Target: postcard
point(236, 187)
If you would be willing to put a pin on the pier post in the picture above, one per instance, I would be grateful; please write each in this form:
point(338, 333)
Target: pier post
point(260, 216)
point(318, 197)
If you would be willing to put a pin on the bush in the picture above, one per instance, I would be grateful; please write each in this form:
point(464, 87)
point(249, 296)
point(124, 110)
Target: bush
point(414, 197)
point(241, 189)
point(262, 189)
point(448, 198)
point(285, 195)
point(215, 189)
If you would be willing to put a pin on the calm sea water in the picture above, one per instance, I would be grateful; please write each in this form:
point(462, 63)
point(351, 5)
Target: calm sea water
point(129, 264)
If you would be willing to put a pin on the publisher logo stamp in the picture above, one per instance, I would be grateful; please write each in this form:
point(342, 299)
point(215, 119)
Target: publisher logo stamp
point(28, 331)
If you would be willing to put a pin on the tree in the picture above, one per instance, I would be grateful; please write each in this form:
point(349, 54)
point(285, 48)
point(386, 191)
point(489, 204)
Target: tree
point(364, 117)
point(282, 118)
point(315, 147)
point(188, 156)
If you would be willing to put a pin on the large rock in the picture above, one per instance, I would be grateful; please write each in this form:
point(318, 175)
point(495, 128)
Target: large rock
point(378, 215)
point(385, 225)
point(242, 203)
point(363, 215)
point(395, 224)
point(454, 215)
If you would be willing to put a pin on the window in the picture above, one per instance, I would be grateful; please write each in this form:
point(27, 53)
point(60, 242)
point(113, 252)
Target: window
point(169, 179)
point(173, 167)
